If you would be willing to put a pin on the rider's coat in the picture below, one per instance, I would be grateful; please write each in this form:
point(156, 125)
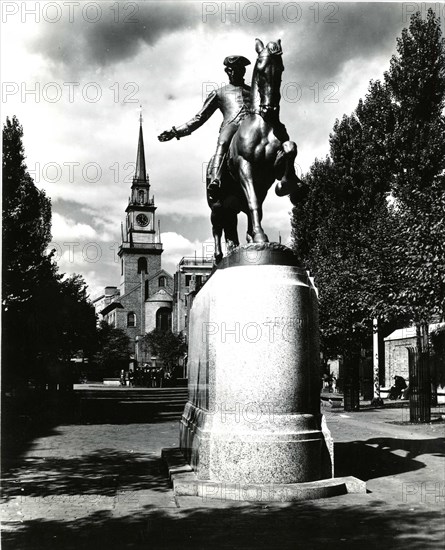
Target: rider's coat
point(232, 101)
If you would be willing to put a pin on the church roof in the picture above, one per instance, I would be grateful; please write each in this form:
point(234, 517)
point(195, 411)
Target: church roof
point(110, 307)
point(160, 272)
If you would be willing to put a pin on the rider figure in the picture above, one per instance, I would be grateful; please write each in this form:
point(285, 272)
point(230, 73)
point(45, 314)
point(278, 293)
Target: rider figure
point(233, 100)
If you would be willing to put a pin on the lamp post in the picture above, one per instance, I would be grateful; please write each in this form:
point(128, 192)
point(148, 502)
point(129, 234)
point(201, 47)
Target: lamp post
point(377, 401)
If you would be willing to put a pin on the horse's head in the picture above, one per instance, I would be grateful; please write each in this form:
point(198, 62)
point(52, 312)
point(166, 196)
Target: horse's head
point(267, 76)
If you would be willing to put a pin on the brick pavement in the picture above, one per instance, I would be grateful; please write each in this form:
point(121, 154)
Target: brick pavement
point(102, 486)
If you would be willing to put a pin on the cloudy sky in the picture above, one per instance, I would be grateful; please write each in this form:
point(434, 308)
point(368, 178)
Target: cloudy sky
point(74, 73)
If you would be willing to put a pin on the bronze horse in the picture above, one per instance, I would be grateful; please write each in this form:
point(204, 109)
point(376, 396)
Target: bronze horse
point(259, 154)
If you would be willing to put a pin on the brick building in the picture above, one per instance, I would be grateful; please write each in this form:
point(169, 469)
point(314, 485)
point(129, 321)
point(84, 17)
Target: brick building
point(396, 357)
point(191, 274)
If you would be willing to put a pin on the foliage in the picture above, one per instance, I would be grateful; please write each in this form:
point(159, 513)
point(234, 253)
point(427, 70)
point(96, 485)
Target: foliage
point(46, 318)
point(113, 348)
point(438, 342)
point(416, 80)
point(166, 345)
point(342, 230)
point(26, 215)
point(372, 228)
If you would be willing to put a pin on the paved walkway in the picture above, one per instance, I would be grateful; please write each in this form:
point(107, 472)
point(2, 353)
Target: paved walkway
point(102, 486)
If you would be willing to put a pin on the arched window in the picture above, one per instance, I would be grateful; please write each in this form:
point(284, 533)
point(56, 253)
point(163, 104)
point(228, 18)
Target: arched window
point(162, 281)
point(142, 265)
point(141, 196)
point(131, 319)
point(164, 319)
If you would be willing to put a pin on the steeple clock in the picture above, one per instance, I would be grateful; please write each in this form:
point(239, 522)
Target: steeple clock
point(141, 248)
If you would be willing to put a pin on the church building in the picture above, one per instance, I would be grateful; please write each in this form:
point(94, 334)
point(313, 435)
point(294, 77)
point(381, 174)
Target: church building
point(144, 299)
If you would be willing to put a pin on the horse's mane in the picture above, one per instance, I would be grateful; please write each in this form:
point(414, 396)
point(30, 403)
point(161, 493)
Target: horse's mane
point(274, 48)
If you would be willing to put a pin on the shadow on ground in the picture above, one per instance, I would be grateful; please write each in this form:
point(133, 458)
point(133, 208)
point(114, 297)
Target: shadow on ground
point(37, 414)
point(311, 525)
point(347, 522)
point(375, 457)
point(103, 473)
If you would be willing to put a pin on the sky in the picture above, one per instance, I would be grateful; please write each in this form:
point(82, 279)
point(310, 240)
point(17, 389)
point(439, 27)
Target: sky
point(75, 74)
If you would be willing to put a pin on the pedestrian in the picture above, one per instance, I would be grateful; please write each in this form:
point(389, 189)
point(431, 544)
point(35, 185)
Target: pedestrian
point(159, 377)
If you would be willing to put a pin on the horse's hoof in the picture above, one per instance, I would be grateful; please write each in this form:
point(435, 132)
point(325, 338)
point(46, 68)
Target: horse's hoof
point(231, 245)
point(260, 237)
point(287, 186)
point(218, 258)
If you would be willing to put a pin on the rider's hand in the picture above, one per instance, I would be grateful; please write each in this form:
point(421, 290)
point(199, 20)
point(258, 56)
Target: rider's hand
point(166, 136)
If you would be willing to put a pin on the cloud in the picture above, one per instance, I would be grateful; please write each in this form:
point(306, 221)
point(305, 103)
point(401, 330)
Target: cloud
point(176, 246)
point(169, 55)
point(65, 228)
point(112, 33)
point(318, 39)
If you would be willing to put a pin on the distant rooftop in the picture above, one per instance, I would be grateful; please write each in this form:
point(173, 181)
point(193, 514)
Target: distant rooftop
point(409, 332)
point(195, 260)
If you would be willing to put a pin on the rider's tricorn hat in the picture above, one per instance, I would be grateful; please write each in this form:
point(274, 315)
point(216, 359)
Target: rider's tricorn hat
point(232, 60)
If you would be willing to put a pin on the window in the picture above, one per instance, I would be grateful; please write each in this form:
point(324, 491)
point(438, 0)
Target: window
point(131, 319)
point(188, 278)
point(198, 280)
point(142, 265)
point(164, 319)
point(141, 196)
point(146, 290)
point(161, 281)
point(122, 267)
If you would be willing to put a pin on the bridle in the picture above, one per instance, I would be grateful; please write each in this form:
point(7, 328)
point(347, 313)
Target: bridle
point(266, 109)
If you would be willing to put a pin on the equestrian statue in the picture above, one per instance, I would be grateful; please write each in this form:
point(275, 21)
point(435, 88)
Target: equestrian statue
point(253, 148)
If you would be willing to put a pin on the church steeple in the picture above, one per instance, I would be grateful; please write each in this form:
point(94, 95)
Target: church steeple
point(141, 175)
point(141, 246)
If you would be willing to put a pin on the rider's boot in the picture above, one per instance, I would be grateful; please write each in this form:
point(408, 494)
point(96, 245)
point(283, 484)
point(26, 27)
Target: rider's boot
point(214, 186)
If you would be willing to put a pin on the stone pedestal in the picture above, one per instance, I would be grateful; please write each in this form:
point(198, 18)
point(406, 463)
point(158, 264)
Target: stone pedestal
point(253, 414)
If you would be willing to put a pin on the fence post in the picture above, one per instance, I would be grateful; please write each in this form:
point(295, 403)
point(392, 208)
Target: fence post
point(419, 386)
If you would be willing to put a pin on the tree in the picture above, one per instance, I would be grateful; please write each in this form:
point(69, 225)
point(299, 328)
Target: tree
point(46, 318)
point(375, 257)
point(438, 345)
point(113, 353)
point(26, 233)
point(63, 319)
point(166, 345)
point(338, 231)
point(416, 80)
point(26, 223)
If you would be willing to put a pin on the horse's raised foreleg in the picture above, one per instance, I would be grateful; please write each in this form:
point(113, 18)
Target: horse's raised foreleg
point(285, 170)
point(253, 204)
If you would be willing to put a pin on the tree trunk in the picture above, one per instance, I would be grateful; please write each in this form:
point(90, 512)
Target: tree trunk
point(351, 388)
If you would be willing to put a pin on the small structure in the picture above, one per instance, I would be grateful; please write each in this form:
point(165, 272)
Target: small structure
point(397, 345)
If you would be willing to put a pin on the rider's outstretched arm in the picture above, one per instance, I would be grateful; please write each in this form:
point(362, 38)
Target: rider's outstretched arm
point(209, 107)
